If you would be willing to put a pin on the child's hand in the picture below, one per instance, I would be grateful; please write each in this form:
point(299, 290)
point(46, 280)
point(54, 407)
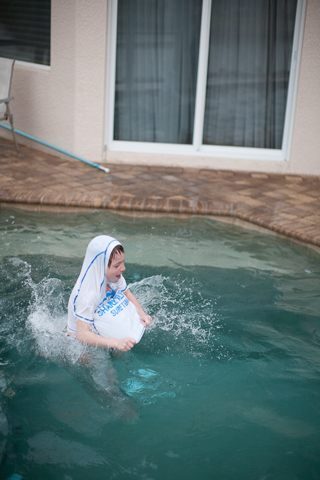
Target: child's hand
point(125, 344)
point(145, 320)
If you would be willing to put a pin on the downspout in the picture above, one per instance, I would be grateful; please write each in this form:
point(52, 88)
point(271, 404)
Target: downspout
point(100, 167)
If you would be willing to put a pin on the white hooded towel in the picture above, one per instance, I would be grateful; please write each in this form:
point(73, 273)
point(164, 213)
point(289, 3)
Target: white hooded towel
point(99, 302)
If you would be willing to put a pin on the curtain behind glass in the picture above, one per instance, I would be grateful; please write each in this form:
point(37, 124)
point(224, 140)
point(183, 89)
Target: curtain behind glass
point(156, 70)
point(248, 72)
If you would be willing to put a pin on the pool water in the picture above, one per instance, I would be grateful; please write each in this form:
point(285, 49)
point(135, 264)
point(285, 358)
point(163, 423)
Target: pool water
point(224, 385)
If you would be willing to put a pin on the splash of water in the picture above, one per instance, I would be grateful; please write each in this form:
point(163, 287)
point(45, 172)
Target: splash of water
point(183, 316)
point(46, 317)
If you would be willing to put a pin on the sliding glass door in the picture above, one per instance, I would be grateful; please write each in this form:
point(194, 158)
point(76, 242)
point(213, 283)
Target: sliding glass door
point(201, 74)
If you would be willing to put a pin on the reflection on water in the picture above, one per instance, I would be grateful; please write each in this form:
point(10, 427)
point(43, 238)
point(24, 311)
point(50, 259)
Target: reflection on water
point(225, 383)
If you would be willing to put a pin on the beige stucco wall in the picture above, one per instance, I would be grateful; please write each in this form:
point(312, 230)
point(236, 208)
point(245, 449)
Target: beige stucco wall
point(91, 44)
point(305, 152)
point(64, 105)
point(44, 98)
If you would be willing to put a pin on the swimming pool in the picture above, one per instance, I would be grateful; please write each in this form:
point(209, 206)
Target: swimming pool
point(224, 385)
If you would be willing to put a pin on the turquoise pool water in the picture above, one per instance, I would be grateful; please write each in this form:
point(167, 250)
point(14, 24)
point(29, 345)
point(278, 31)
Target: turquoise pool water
point(224, 385)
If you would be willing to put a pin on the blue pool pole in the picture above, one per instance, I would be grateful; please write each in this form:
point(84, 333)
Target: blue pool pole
point(100, 167)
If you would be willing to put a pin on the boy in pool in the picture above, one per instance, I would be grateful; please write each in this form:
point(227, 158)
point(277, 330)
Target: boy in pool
point(101, 310)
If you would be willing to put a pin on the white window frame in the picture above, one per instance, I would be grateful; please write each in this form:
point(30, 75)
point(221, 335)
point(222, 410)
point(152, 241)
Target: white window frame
point(197, 148)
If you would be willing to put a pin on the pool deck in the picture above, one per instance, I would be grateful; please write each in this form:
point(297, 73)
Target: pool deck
point(287, 205)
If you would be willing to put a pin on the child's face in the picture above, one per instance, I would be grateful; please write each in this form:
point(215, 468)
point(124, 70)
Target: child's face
point(116, 268)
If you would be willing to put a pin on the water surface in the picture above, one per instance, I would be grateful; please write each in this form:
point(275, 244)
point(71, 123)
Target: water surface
point(225, 384)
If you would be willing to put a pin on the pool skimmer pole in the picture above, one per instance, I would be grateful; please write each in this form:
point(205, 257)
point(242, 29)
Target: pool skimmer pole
point(96, 165)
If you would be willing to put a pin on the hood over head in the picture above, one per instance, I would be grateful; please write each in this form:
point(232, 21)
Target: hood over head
point(92, 278)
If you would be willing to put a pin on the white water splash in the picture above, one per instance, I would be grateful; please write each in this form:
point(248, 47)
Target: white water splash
point(47, 320)
point(179, 307)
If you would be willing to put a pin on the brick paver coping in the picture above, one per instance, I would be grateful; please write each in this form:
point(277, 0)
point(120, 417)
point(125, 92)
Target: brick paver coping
point(287, 205)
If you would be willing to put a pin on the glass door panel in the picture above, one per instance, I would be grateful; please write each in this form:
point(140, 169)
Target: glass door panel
point(156, 70)
point(248, 72)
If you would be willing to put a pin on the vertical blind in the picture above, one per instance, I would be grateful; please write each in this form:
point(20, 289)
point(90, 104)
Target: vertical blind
point(25, 30)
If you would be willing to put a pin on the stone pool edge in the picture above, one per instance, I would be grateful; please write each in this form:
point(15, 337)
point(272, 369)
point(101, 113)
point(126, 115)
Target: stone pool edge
point(216, 211)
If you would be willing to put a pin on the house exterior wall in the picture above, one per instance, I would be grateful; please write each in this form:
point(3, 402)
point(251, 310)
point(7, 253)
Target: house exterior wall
point(44, 97)
point(305, 151)
point(64, 104)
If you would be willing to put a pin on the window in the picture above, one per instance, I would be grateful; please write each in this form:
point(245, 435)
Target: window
point(25, 30)
point(203, 76)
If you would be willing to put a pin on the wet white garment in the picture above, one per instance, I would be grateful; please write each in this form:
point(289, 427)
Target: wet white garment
point(99, 302)
point(117, 317)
